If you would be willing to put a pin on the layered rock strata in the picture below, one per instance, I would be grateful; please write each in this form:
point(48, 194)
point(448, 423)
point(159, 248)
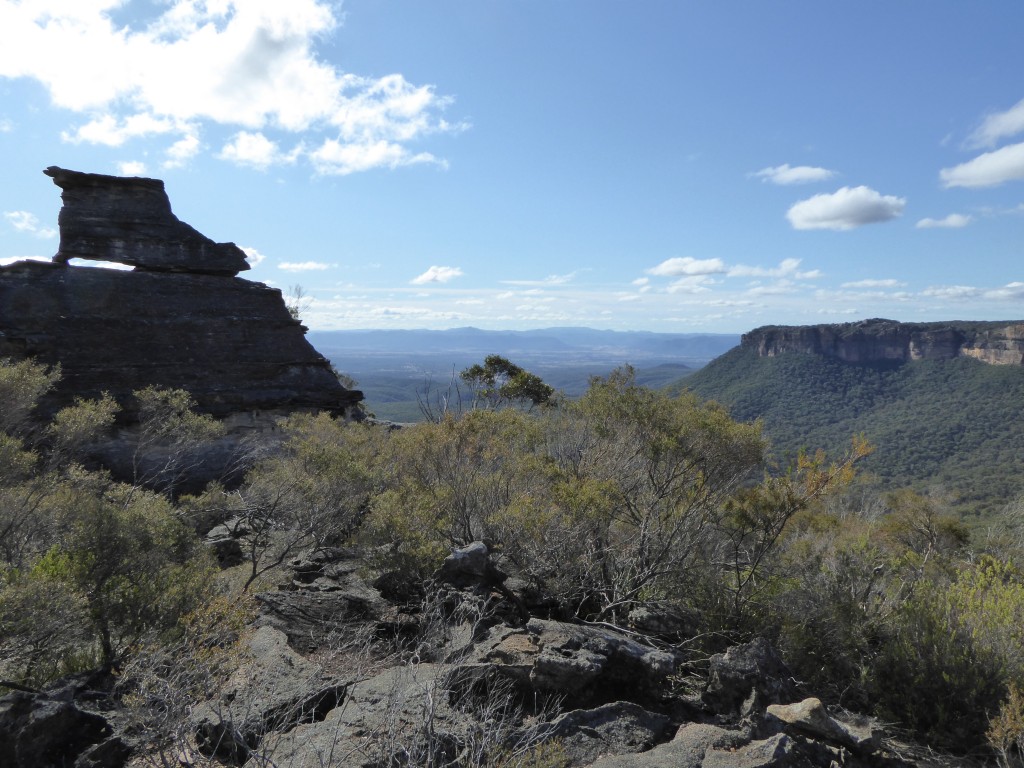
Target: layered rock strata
point(889, 341)
point(180, 319)
point(129, 220)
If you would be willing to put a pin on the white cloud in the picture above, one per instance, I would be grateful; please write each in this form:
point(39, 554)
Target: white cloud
point(987, 170)
point(1009, 292)
point(642, 281)
point(998, 126)
point(846, 208)
point(254, 150)
point(786, 268)
point(248, 64)
point(131, 168)
point(23, 221)
point(952, 292)
point(691, 284)
point(340, 158)
point(111, 131)
point(953, 221)
point(181, 151)
point(437, 275)
point(6, 126)
point(302, 266)
point(254, 257)
point(869, 283)
point(686, 265)
point(801, 174)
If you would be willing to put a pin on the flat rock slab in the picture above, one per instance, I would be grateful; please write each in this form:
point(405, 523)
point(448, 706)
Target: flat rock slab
point(583, 663)
point(810, 717)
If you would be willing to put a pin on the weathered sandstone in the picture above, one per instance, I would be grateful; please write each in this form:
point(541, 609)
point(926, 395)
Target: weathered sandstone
point(129, 220)
point(881, 341)
point(180, 319)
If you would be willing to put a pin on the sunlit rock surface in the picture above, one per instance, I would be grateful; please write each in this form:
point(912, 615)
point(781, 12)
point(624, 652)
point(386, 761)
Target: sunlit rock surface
point(876, 341)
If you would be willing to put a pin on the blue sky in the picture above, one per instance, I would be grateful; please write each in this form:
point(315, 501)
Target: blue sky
point(671, 166)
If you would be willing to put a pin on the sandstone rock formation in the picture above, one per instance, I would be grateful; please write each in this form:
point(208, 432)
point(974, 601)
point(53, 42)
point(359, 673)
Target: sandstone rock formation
point(129, 220)
point(180, 319)
point(881, 341)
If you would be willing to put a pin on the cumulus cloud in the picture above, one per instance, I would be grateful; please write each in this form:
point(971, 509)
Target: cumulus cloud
point(869, 283)
point(953, 221)
point(23, 221)
point(254, 257)
point(6, 126)
point(113, 131)
point(247, 64)
point(999, 125)
point(254, 150)
point(181, 151)
point(786, 268)
point(987, 170)
point(131, 168)
point(846, 208)
point(686, 265)
point(437, 275)
point(801, 174)
point(302, 266)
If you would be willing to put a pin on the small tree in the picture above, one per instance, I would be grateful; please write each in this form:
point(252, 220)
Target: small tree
point(501, 382)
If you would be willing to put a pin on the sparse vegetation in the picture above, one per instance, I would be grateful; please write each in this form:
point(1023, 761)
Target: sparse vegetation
point(628, 502)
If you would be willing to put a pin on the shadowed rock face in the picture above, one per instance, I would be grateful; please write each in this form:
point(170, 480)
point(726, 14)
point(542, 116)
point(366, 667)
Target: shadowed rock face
point(230, 342)
point(879, 341)
point(129, 220)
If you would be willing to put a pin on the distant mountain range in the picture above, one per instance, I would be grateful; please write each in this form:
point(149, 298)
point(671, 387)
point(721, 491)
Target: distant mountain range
point(941, 416)
point(391, 366)
point(542, 345)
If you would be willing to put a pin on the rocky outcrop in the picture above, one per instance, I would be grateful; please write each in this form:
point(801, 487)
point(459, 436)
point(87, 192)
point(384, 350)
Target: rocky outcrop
point(57, 727)
point(889, 341)
point(180, 319)
point(129, 220)
point(353, 690)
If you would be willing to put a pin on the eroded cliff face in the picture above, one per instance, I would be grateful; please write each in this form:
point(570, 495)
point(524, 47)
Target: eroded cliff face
point(882, 341)
point(180, 319)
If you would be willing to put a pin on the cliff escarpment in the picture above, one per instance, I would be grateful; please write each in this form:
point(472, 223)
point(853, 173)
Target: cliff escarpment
point(889, 341)
point(180, 319)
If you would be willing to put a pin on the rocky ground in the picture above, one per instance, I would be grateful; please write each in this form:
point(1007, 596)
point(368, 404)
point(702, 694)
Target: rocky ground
point(336, 671)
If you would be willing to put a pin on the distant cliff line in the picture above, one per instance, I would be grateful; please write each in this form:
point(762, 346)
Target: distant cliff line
point(878, 340)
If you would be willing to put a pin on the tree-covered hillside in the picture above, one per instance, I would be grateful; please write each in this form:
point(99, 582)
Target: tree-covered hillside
point(955, 424)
